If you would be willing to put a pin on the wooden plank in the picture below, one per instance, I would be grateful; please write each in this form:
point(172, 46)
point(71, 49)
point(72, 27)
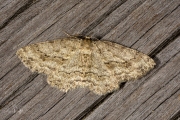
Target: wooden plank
point(70, 112)
point(167, 29)
point(23, 96)
point(31, 29)
point(7, 66)
point(118, 16)
point(78, 95)
point(96, 18)
point(159, 18)
point(75, 22)
point(80, 102)
point(62, 21)
point(8, 8)
point(12, 30)
point(165, 93)
point(13, 44)
point(16, 34)
point(135, 94)
point(58, 13)
point(71, 106)
point(13, 80)
point(138, 26)
point(170, 105)
point(40, 103)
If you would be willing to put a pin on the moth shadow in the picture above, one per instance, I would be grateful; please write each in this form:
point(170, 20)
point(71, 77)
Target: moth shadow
point(98, 37)
point(121, 85)
point(157, 61)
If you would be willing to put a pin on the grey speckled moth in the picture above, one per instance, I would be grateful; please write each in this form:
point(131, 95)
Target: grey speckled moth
point(79, 61)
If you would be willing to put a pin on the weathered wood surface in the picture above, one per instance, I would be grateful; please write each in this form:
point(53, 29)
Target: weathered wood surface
point(150, 26)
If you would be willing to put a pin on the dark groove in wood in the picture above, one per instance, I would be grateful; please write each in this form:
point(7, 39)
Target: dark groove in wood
point(155, 25)
point(74, 106)
point(39, 34)
point(64, 95)
point(142, 104)
point(98, 102)
point(92, 107)
point(9, 71)
point(87, 111)
point(83, 17)
point(167, 61)
point(102, 17)
point(153, 95)
point(148, 78)
point(164, 101)
point(55, 21)
point(26, 102)
point(5, 5)
point(3, 41)
point(19, 11)
point(149, 30)
point(176, 116)
point(124, 17)
point(165, 43)
point(12, 97)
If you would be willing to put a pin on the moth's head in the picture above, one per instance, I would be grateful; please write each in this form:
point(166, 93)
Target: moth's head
point(80, 36)
point(84, 37)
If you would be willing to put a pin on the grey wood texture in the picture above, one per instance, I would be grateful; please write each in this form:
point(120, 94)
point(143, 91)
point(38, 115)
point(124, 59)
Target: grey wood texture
point(149, 26)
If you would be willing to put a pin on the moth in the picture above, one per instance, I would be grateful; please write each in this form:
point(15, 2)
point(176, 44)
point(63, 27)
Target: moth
point(78, 61)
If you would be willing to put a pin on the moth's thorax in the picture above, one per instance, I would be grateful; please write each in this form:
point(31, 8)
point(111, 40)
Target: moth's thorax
point(85, 54)
point(86, 46)
point(86, 43)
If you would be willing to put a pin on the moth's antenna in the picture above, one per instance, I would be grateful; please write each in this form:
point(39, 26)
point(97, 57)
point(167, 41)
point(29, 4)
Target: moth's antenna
point(67, 33)
point(74, 36)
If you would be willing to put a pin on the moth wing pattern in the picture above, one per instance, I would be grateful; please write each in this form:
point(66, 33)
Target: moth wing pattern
point(81, 62)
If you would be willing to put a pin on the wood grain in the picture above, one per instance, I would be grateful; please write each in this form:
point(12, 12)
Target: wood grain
point(9, 9)
point(150, 26)
point(130, 99)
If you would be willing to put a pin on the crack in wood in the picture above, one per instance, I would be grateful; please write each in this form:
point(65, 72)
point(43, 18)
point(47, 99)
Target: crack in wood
point(162, 46)
point(165, 43)
point(19, 11)
point(10, 70)
point(88, 111)
point(98, 102)
point(121, 19)
point(103, 16)
point(153, 95)
point(26, 102)
point(11, 97)
point(176, 116)
point(63, 96)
